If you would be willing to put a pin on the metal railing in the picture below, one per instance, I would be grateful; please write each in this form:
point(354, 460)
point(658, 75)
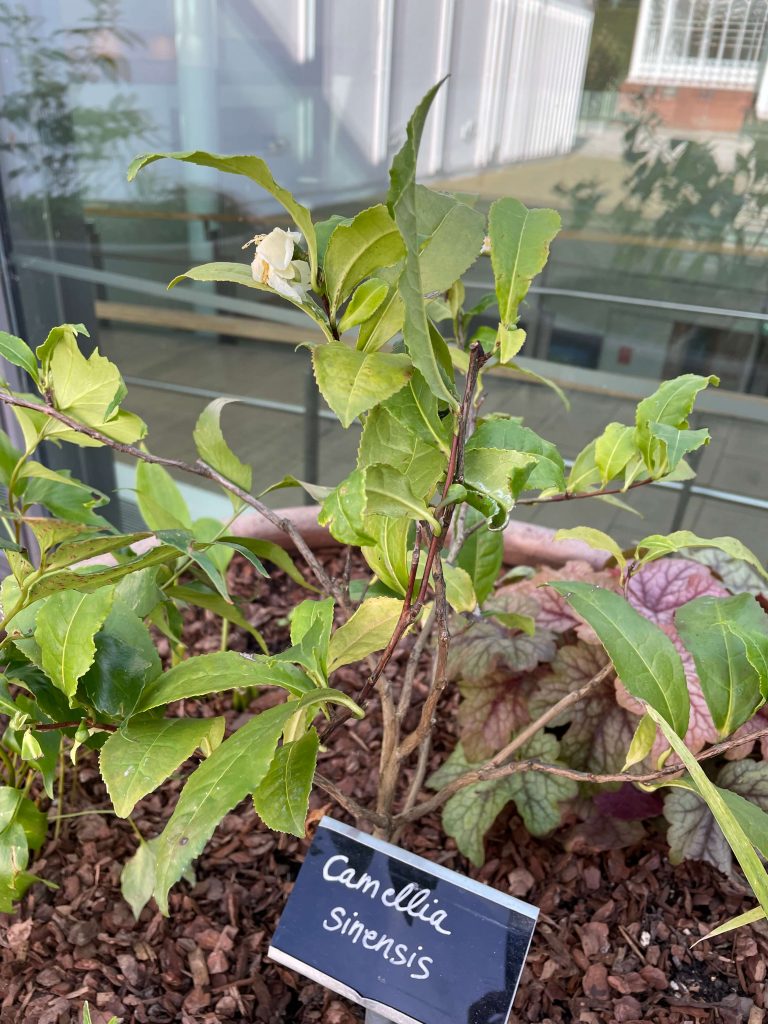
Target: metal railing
point(743, 407)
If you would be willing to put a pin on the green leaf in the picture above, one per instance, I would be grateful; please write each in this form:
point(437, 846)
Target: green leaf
point(185, 544)
point(143, 753)
point(749, 917)
point(520, 240)
point(240, 273)
point(731, 685)
point(256, 169)
point(386, 440)
point(55, 336)
point(49, 531)
point(201, 597)
point(358, 249)
point(401, 201)
point(282, 797)
point(271, 552)
point(499, 431)
point(671, 404)
point(368, 629)
point(644, 657)
point(140, 591)
point(481, 554)
point(389, 493)
point(215, 673)
point(658, 545)
point(613, 450)
point(585, 472)
point(137, 882)
point(324, 229)
point(510, 342)
point(415, 408)
point(525, 371)
point(713, 797)
point(232, 771)
point(88, 390)
point(453, 236)
point(89, 580)
point(66, 626)
point(352, 382)
point(316, 491)
point(344, 509)
point(17, 808)
point(459, 591)
point(364, 303)
point(125, 663)
point(642, 742)
point(61, 495)
point(501, 475)
point(231, 545)
point(596, 539)
point(72, 552)
point(384, 324)
point(388, 557)
point(311, 624)
point(19, 353)
point(160, 500)
point(678, 442)
point(214, 450)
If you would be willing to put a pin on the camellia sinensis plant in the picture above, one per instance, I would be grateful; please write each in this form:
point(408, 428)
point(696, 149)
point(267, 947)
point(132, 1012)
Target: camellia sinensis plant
point(395, 353)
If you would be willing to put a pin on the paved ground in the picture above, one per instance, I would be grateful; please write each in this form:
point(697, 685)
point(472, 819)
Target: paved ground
point(273, 442)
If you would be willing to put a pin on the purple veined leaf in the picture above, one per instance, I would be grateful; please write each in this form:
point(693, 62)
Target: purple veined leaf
point(738, 576)
point(492, 709)
point(485, 646)
point(693, 833)
point(599, 730)
point(554, 612)
point(663, 586)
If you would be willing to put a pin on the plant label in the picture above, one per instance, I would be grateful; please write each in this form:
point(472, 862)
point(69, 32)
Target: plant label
point(405, 938)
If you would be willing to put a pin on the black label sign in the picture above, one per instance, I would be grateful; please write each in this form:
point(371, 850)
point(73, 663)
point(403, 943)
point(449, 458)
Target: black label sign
point(409, 939)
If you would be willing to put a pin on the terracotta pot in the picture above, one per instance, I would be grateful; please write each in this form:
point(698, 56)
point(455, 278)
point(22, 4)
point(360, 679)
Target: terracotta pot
point(524, 543)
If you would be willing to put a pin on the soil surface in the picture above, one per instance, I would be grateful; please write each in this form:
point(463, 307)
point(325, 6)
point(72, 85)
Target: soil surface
point(614, 941)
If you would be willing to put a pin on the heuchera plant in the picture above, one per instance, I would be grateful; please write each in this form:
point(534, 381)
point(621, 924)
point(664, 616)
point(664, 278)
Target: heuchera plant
point(543, 718)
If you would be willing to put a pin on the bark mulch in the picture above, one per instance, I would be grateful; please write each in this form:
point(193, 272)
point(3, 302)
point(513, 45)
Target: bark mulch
point(614, 941)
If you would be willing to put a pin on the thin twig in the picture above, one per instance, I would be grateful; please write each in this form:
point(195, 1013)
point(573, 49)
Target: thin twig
point(567, 496)
point(483, 774)
point(440, 670)
point(89, 722)
point(358, 812)
point(200, 469)
point(412, 666)
point(522, 737)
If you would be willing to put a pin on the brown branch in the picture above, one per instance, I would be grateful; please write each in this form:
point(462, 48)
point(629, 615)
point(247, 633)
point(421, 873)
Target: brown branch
point(411, 611)
point(423, 730)
point(523, 737)
point(358, 812)
point(200, 469)
point(51, 726)
point(566, 496)
point(412, 666)
point(504, 771)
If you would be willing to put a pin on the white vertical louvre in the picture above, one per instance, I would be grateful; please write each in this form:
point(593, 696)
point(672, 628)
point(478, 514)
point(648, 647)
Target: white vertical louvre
point(544, 77)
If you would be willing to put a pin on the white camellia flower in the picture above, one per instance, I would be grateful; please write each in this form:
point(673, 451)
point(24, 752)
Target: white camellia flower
point(274, 265)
